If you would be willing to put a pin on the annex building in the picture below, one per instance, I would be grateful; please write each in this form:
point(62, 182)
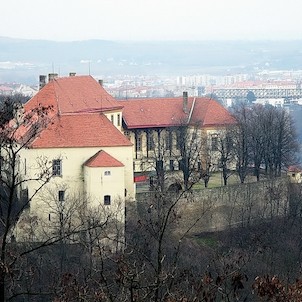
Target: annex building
point(159, 128)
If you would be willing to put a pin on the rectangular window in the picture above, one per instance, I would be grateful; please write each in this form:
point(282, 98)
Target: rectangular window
point(150, 141)
point(180, 164)
point(229, 143)
point(24, 198)
point(112, 118)
point(169, 140)
point(107, 173)
point(61, 195)
point(107, 200)
point(214, 143)
point(127, 134)
point(57, 167)
point(179, 139)
point(171, 165)
point(25, 168)
point(118, 119)
point(138, 143)
point(159, 165)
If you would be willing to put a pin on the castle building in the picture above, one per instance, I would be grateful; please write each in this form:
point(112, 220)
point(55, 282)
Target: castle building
point(89, 157)
point(94, 145)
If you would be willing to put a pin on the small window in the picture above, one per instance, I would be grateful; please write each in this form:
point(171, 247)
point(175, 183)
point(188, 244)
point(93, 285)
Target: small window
point(214, 143)
point(61, 195)
point(112, 118)
point(169, 140)
point(107, 200)
point(180, 164)
point(107, 173)
point(49, 217)
point(159, 165)
point(24, 198)
point(25, 167)
point(1, 160)
point(118, 119)
point(57, 167)
point(179, 139)
point(127, 134)
point(171, 165)
point(150, 141)
point(138, 143)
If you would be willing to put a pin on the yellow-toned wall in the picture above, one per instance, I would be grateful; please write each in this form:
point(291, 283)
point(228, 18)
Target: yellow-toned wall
point(72, 168)
point(142, 164)
point(117, 116)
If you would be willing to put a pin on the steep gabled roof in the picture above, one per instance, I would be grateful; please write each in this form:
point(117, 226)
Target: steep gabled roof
point(102, 159)
point(168, 112)
point(80, 130)
point(74, 95)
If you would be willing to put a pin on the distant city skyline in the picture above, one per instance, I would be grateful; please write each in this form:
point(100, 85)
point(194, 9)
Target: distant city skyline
point(137, 20)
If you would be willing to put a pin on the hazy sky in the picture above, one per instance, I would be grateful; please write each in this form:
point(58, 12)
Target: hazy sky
point(151, 20)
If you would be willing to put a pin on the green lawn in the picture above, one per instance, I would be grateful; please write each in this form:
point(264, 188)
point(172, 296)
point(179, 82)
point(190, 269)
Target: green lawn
point(216, 180)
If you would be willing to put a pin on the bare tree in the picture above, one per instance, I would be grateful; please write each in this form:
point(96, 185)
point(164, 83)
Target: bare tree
point(225, 149)
point(190, 144)
point(265, 137)
point(240, 137)
point(16, 134)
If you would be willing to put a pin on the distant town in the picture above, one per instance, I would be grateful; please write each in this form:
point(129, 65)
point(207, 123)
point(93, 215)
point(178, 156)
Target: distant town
point(274, 87)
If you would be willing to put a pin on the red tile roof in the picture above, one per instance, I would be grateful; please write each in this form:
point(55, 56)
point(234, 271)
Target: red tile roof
point(74, 94)
point(167, 112)
point(296, 168)
point(211, 113)
point(80, 130)
point(102, 159)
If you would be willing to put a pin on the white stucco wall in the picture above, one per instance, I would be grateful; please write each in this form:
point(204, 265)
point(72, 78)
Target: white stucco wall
point(98, 183)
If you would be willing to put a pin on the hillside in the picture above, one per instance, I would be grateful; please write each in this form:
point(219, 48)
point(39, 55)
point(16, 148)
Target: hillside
point(24, 59)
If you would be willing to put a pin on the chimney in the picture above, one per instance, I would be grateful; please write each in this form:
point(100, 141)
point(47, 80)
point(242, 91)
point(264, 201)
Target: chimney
point(72, 74)
point(185, 101)
point(52, 76)
point(101, 82)
point(42, 81)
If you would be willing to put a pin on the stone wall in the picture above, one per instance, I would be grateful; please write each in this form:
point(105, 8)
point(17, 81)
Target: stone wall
point(219, 208)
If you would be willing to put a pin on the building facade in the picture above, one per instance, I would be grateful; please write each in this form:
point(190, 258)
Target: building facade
point(167, 130)
point(83, 149)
